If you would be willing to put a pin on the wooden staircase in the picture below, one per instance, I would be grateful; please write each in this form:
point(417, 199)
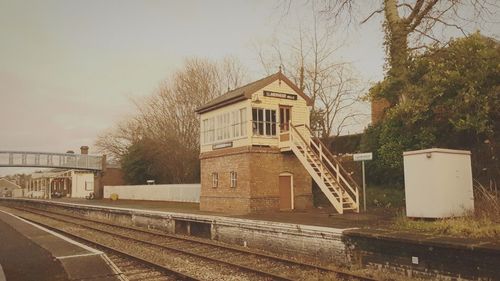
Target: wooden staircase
point(335, 182)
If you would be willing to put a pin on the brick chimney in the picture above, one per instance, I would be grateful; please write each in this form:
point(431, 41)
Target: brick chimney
point(84, 149)
point(379, 106)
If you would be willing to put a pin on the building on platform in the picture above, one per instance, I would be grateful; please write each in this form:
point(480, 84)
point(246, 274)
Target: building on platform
point(244, 166)
point(258, 153)
point(67, 183)
point(9, 188)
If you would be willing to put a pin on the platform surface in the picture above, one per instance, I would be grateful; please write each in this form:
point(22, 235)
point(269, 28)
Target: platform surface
point(326, 217)
point(28, 253)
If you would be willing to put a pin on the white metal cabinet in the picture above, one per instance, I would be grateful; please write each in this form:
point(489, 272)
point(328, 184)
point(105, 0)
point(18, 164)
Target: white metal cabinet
point(438, 183)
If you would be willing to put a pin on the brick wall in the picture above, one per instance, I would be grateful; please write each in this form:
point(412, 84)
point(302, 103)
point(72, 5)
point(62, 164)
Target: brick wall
point(113, 176)
point(110, 176)
point(257, 189)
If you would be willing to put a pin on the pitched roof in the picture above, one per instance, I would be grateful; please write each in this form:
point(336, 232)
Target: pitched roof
point(8, 183)
point(246, 91)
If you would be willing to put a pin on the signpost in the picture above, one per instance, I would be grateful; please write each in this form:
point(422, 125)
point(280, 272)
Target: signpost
point(363, 157)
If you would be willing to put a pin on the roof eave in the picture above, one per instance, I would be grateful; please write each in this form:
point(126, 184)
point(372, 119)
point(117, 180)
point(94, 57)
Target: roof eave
point(218, 105)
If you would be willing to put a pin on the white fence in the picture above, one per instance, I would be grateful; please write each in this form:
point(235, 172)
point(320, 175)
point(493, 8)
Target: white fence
point(18, 192)
point(158, 192)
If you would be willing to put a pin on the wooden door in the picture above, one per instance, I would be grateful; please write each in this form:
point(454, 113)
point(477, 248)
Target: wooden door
point(285, 186)
point(285, 117)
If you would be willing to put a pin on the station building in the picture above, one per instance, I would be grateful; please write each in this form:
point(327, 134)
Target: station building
point(255, 150)
point(68, 183)
point(8, 188)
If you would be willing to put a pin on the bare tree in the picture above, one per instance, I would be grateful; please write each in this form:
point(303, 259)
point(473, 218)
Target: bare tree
point(309, 60)
point(115, 141)
point(166, 123)
point(338, 100)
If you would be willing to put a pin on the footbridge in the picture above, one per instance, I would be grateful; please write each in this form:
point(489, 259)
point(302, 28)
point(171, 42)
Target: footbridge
point(51, 160)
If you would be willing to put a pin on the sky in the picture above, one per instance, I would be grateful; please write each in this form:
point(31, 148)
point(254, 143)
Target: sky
point(70, 69)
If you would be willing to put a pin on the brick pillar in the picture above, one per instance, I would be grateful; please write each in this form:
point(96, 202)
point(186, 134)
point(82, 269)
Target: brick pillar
point(379, 106)
point(84, 150)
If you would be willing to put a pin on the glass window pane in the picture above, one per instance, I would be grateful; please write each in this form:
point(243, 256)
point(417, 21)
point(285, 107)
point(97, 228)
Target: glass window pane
point(243, 114)
point(261, 128)
point(243, 120)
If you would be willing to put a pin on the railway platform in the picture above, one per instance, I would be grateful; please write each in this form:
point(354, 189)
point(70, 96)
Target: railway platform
point(372, 225)
point(30, 252)
point(323, 217)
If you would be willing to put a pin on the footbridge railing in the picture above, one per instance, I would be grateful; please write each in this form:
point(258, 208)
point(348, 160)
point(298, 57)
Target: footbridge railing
point(50, 160)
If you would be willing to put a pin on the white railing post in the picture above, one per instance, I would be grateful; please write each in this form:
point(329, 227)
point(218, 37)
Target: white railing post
point(338, 172)
point(357, 200)
point(342, 199)
point(321, 165)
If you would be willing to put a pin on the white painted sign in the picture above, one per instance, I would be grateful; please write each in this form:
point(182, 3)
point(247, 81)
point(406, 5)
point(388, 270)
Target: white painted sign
point(280, 95)
point(222, 145)
point(362, 156)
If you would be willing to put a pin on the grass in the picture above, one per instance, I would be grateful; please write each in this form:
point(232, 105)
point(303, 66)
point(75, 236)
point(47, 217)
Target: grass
point(385, 196)
point(484, 222)
point(470, 226)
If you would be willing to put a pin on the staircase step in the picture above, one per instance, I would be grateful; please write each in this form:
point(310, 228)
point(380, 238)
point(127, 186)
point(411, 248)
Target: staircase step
point(321, 170)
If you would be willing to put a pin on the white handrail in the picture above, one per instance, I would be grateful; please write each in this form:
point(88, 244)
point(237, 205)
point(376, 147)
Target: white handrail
point(340, 182)
point(335, 186)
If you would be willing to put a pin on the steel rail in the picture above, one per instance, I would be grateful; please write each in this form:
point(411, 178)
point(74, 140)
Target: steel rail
point(341, 273)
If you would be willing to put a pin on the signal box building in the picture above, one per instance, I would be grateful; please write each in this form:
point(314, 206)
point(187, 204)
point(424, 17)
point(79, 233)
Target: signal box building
point(257, 153)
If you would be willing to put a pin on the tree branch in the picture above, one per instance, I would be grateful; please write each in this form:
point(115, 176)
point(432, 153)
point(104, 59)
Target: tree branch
point(381, 10)
point(427, 35)
point(418, 18)
point(414, 11)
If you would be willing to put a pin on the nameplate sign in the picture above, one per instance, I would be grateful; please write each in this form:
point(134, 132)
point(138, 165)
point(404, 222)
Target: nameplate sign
point(362, 156)
point(280, 95)
point(222, 145)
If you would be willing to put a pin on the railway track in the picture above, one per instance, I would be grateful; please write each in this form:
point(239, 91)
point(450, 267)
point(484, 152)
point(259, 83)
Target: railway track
point(238, 262)
point(130, 267)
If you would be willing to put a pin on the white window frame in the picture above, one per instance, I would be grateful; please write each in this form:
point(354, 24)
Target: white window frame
point(89, 183)
point(233, 179)
point(243, 122)
point(215, 180)
point(226, 126)
point(264, 122)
